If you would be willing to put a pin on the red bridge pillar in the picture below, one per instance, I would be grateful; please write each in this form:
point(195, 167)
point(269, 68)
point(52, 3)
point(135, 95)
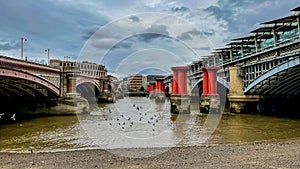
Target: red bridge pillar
point(179, 85)
point(180, 101)
point(159, 85)
point(205, 81)
point(151, 89)
point(210, 80)
point(174, 83)
point(210, 100)
point(160, 90)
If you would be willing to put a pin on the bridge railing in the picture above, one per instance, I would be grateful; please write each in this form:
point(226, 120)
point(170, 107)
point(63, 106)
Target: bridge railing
point(261, 51)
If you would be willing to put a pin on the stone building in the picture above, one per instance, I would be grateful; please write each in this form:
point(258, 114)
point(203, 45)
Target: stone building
point(136, 82)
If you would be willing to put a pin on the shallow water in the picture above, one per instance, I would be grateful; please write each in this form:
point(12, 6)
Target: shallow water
point(122, 125)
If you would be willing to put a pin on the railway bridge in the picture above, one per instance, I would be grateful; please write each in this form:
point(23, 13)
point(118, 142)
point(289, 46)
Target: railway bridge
point(62, 87)
point(259, 72)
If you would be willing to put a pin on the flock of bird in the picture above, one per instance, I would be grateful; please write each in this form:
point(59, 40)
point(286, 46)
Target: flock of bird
point(13, 117)
point(140, 117)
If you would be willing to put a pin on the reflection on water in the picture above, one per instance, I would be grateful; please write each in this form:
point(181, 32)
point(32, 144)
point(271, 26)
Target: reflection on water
point(139, 122)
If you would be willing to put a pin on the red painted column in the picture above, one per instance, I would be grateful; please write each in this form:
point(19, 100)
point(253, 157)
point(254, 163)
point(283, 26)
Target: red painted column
point(152, 87)
point(175, 82)
point(184, 88)
point(157, 88)
point(205, 81)
point(180, 82)
point(212, 80)
point(159, 85)
point(180, 76)
point(162, 87)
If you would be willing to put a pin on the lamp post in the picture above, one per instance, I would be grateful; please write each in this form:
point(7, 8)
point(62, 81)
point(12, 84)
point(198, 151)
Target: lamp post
point(22, 46)
point(66, 58)
point(48, 54)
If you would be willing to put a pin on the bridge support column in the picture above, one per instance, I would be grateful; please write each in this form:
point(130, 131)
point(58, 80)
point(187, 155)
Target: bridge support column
point(152, 90)
point(106, 95)
point(240, 103)
point(71, 102)
point(180, 100)
point(210, 99)
point(160, 91)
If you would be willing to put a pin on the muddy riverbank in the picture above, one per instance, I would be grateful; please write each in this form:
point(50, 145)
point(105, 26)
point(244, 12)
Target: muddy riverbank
point(265, 154)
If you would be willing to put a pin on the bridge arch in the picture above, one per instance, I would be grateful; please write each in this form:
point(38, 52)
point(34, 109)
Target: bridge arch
point(282, 79)
point(25, 76)
point(86, 80)
point(219, 80)
point(88, 88)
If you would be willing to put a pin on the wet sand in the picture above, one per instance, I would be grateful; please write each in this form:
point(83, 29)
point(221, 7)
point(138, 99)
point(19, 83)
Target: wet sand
point(267, 154)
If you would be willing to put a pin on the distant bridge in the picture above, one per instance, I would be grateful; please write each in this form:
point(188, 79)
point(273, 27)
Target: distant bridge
point(24, 81)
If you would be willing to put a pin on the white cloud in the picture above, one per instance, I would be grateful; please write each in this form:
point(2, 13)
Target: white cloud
point(64, 25)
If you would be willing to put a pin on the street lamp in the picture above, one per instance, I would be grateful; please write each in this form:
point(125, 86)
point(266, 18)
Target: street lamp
point(22, 46)
point(48, 53)
point(66, 58)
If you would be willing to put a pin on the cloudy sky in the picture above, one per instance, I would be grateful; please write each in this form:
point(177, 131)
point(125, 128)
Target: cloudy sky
point(130, 36)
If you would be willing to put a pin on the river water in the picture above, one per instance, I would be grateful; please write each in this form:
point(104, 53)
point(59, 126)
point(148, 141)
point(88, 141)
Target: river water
point(139, 122)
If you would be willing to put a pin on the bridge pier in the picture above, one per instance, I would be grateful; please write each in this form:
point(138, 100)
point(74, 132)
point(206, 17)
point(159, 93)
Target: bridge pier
point(71, 102)
point(210, 99)
point(160, 91)
point(180, 101)
point(151, 90)
point(106, 96)
point(238, 102)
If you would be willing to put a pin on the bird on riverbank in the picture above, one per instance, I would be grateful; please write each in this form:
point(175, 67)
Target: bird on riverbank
point(13, 117)
point(30, 149)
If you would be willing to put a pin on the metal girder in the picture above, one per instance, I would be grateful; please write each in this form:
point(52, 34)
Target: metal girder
point(271, 83)
point(285, 66)
point(20, 88)
point(28, 87)
point(11, 73)
point(15, 91)
point(5, 92)
point(293, 90)
point(285, 82)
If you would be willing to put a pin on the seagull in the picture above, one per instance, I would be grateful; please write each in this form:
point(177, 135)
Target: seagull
point(30, 149)
point(13, 117)
point(1, 115)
